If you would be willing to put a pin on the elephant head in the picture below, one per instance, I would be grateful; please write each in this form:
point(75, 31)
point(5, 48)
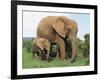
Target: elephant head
point(66, 27)
point(44, 45)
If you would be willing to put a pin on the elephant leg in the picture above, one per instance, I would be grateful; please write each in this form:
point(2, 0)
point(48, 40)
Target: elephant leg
point(62, 50)
point(57, 55)
point(33, 53)
point(61, 44)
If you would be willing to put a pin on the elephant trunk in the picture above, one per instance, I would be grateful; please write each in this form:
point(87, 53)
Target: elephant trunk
point(74, 47)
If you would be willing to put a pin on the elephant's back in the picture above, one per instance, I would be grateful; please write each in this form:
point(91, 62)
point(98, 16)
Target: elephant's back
point(48, 19)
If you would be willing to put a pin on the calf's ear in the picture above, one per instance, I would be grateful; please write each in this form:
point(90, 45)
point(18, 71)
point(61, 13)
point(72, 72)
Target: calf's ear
point(40, 43)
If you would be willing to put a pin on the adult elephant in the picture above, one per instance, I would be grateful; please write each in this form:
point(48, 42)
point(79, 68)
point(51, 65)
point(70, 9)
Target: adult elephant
point(41, 47)
point(55, 29)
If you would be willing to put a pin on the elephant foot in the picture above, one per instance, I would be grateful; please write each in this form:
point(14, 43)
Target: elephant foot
point(50, 59)
point(63, 59)
point(73, 60)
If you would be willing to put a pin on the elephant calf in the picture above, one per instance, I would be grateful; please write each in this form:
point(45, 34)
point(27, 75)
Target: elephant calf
point(41, 47)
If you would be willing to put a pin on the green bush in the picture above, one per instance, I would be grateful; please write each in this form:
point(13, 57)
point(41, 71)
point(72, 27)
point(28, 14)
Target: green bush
point(83, 45)
point(27, 44)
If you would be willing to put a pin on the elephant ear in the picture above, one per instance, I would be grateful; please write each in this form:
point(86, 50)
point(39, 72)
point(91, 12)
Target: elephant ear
point(40, 43)
point(59, 27)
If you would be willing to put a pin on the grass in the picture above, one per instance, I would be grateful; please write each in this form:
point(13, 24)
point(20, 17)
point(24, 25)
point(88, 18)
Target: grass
point(30, 62)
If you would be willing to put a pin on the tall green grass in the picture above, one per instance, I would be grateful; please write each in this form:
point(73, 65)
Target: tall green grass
point(29, 62)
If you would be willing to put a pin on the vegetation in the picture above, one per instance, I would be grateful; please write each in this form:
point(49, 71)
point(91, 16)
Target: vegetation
point(34, 62)
point(27, 44)
point(83, 46)
point(82, 57)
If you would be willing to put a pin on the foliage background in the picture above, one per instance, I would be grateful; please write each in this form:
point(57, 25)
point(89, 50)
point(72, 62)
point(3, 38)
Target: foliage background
point(82, 57)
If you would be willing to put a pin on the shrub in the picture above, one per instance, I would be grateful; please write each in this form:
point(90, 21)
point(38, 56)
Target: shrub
point(27, 44)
